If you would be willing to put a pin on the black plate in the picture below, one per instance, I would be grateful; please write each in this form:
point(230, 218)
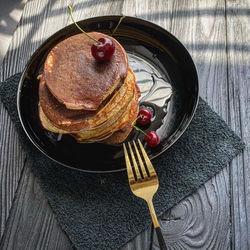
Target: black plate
point(161, 64)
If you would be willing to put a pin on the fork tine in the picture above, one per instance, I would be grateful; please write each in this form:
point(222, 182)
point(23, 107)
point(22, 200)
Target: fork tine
point(137, 172)
point(129, 168)
point(140, 161)
point(148, 162)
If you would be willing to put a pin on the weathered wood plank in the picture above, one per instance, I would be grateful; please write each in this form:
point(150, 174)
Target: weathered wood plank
point(11, 164)
point(238, 41)
point(34, 226)
point(24, 42)
point(201, 221)
point(40, 19)
point(12, 156)
point(31, 224)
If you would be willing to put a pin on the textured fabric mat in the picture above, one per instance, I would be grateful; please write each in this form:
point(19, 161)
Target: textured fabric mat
point(98, 211)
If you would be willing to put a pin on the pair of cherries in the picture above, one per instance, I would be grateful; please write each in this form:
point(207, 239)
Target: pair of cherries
point(144, 118)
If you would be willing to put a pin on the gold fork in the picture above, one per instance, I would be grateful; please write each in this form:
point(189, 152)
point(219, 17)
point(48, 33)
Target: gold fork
point(142, 184)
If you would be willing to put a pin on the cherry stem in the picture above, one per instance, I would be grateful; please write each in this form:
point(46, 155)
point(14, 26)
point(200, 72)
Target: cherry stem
point(70, 11)
point(133, 123)
point(141, 131)
point(117, 25)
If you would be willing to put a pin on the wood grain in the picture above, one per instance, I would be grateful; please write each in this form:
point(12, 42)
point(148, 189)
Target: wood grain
point(201, 221)
point(40, 19)
point(217, 36)
point(11, 164)
point(12, 156)
point(32, 225)
point(238, 40)
point(198, 222)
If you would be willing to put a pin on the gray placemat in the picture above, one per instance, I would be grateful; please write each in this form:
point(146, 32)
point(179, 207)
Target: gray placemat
point(98, 211)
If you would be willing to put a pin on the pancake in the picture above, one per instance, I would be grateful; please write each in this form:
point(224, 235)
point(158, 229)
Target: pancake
point(120, 135)
point(47, 124)
point(113, 124)
point(103, 133)
point(120, 132)
point(126, 117)
point(78, 120)
point(125, 128)
point(76, 79)
point(90, 100)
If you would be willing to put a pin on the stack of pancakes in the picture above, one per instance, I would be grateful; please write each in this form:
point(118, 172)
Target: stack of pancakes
point(91, 100)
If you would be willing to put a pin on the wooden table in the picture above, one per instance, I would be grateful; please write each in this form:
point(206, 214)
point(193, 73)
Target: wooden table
point(217, 34)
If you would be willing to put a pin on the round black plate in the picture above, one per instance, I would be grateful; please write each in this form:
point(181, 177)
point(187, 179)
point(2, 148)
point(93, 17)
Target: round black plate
point(161, 64)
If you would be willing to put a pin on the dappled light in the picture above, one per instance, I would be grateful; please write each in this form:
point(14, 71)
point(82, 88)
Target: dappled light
point(217, 36)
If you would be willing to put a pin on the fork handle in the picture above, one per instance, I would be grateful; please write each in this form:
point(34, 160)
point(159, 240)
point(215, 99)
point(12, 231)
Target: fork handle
point(161, 240)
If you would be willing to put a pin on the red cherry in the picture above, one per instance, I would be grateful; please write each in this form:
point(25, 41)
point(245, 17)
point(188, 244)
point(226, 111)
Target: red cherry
point(104, 50)
point(152, 139)
point(144, 116)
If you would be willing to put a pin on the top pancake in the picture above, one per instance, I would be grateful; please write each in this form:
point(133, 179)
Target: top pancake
point(74, 76)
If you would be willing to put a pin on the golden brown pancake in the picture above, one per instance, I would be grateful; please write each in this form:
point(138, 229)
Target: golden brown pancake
point(47, 124)
point(120, 135)
point(76, 79)
point(113, 125)
point(58, 114)
point(125, 128)
point(79, 120)
point(117, 133)
point(103, 133)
